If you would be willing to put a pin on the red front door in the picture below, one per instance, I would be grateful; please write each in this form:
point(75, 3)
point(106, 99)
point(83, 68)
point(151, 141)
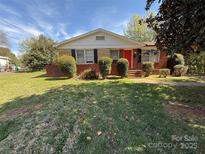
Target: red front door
point(128, 55)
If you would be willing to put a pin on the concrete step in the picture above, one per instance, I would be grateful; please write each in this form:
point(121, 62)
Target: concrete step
point(134, 70)
point(134, 73)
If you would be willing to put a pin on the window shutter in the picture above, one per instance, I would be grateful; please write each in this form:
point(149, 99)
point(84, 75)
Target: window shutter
point(73, 53)
point(95, 56)
point(121, 53)
point(139, 56)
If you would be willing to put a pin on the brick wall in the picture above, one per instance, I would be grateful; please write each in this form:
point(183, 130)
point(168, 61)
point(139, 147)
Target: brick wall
point(53, 70)
point(82, 67)
point(163, 60)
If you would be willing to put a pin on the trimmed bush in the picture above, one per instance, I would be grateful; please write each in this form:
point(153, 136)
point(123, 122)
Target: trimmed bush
point(164, 72)
point(180, 70)
point(176, 59)
point(105, 64)
point(122, 67)
point(67, 65)
point(185, 70)
point(148, 68)
point(89, 74)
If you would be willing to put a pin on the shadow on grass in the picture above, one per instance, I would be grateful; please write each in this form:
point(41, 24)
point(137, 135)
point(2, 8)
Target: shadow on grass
point(50, 78)
point(56, 78)
point(127, 114)
point(113, 77)
point(40, 76)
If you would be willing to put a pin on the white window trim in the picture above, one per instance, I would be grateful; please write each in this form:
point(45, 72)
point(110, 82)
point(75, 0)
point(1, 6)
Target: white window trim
point(118, 53)
point(84, 50)
point(158, 60)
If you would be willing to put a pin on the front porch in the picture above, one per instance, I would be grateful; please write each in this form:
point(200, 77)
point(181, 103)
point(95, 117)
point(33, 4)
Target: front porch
point(135, 58)
point(88, 58)
point(139, 55)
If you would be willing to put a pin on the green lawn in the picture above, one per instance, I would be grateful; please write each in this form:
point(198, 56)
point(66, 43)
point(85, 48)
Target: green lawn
point(48, 115)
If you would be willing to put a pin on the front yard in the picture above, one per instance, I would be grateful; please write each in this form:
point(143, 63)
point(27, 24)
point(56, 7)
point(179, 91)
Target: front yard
point(179, 79)
point(48, 115)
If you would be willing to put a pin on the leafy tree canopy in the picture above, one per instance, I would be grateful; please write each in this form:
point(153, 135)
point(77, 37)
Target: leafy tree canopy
point(179, 24)
point(38, 52)
point(137, 29)
point(7, 53)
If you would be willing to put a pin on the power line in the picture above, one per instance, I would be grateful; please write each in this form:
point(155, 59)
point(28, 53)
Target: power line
point(3, 21)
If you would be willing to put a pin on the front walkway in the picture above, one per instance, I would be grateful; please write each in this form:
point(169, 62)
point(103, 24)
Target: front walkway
point(170, 83)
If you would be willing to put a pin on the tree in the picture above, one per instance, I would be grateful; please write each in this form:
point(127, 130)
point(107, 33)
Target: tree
point(38, 52)
point(7, 53)
point(137, 29)
point(179, 24)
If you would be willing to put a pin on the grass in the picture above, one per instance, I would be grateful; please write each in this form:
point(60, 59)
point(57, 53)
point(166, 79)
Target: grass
point(56, 115)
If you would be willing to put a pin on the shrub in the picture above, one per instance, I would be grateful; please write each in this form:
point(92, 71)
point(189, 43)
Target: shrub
point(148, 68)
point(89, 74)
point(105, 66)
point(185, 70)
point(196, 63)
point(164, 72)
point(122, 67)
point(67, 65)
point(176, 59)
point(180, 70)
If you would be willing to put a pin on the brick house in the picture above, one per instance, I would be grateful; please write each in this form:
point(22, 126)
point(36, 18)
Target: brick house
point(89, 47)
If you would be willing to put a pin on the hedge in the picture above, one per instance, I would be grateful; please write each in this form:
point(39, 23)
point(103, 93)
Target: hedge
point(67, 65)
point(122, 67)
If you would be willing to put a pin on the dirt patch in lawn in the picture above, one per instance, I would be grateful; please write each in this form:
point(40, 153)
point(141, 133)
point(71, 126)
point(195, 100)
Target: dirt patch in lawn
point(185, 112)
point(19, 112)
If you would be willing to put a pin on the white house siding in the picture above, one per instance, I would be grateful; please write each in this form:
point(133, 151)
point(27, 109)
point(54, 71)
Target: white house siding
point(90, 42)
point(4, 61)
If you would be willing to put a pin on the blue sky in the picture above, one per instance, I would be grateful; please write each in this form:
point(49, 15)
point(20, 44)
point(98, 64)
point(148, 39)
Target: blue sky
point(62, 19)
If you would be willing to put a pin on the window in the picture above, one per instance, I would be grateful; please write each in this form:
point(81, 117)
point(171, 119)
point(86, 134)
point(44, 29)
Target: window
point(89, 56)
point(145, 56)
point(150, 55)
point(100, 37)
point(155, 56)
point(80, 56)
point(85, 56)
point(114, 54)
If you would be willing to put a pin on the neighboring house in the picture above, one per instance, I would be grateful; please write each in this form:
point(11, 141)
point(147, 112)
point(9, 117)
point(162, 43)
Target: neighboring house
point(89, 47)
point(4, 63)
